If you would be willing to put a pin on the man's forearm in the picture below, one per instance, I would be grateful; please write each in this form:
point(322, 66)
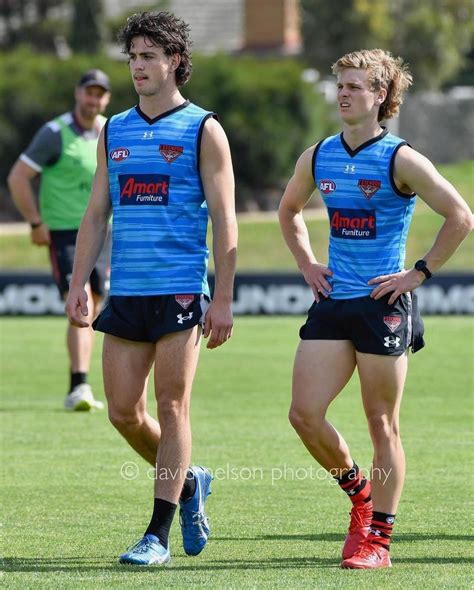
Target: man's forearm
point(296, 237)
point(225, 258)
point(23, 197)
point(452, 233)
point(90, 240)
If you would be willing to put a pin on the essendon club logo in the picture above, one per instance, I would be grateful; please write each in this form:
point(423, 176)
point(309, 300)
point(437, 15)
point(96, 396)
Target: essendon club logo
point(369, 187)
point(327, 186)
point(353, 224)
point(171, 152)
point(184, 300)
point(392, 322)
point(144, 189)
point(119, 154)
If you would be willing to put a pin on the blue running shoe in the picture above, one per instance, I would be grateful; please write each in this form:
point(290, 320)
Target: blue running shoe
point(192, 518)
point(147, 551)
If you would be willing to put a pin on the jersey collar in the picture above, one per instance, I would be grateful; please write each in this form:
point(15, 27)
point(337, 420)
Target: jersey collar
point(362, 146)
point(163, 115)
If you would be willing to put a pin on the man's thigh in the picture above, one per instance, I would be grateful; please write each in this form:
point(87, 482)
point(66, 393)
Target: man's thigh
point(176, 358)
point(382, 379)
point(322, 368)
point(126, 366)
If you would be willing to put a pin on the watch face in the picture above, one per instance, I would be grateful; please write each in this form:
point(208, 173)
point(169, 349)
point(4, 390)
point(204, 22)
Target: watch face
point(421, 266)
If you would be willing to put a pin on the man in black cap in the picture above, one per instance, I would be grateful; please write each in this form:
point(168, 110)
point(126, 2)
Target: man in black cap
point(63, 152)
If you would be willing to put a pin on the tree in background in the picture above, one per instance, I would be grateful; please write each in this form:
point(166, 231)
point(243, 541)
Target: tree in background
point(44, 25)
point(433, 36)
point(31, 22)
point(331, 29)
point(86, 32)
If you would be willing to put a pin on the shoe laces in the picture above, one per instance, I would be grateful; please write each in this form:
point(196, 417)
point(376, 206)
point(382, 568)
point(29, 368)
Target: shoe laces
point(368, 550)
point(360, 518)
point(141, 546)
point(190, 518)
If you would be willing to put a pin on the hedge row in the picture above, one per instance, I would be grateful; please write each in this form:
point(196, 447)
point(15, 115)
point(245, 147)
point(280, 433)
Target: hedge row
point(269, 113)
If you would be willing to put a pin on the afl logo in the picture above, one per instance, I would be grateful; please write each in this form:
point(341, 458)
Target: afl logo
point(327, 186)
point(119, 154)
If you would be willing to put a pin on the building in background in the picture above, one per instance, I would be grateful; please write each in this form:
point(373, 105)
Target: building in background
point(272, 26)
point(231, 26)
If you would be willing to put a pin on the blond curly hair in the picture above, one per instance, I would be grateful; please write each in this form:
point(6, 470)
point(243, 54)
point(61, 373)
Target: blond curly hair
point(385, 71)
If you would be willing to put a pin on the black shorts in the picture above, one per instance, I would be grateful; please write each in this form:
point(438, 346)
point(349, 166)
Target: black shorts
point(372, 325)
point(148, 318)
point(61, 253)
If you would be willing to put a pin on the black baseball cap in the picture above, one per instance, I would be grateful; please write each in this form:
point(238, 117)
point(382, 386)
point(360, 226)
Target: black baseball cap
point(95, 78)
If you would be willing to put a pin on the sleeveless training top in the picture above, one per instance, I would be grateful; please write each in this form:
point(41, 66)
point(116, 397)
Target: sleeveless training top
point(159, 207)
point(65, 186)
point(368, 216)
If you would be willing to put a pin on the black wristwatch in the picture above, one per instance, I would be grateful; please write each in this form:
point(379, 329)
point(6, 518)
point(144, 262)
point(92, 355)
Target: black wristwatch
point(421, 265)
point(36, 224)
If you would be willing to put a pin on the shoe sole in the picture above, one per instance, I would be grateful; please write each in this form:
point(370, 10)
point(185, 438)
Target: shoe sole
point(85, 406)
point(360, 567)
point(81, 406)
point(208, 482)
point(379, 567)
point(155, 563)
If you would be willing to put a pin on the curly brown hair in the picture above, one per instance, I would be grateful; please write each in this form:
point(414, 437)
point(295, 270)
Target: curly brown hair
point(385, 71)
point(164, 29)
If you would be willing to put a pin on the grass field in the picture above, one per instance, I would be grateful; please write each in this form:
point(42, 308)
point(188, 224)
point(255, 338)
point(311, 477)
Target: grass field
point(68, 512)
point(261, 246)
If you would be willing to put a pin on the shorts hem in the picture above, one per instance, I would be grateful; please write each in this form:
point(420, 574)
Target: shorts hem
point(324, 338)
point(383, 353)
point(117, 334)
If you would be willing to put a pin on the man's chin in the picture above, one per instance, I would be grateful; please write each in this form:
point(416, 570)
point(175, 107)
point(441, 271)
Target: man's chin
point(144, 92)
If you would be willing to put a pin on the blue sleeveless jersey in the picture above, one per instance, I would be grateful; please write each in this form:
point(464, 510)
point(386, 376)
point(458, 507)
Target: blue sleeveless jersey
point(159, 207)
point(368, 216)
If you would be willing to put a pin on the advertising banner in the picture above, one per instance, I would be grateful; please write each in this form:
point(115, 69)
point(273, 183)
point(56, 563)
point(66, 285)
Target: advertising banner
point(34, 294)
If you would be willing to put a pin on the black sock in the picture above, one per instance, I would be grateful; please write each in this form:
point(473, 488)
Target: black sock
point(189, 487)
point(160, 523)
point(77, 379)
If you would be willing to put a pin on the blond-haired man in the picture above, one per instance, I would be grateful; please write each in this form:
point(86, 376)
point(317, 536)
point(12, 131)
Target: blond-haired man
point(364, 315)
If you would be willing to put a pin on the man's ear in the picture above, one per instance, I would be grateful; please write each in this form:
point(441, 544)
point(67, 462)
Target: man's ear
point(175, 61)
point(382, 95)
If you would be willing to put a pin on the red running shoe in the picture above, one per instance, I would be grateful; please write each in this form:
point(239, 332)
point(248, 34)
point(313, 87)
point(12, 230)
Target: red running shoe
point(361, 517)
point(369, 556)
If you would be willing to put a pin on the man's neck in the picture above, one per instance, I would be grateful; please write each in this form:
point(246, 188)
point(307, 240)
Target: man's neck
point(356, 135)
point(82, 123)
point(154, 106)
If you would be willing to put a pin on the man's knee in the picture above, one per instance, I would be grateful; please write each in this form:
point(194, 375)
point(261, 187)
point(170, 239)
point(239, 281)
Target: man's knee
point(304, 420)
point(172, 410)
point(383, 428)
point(125, 420)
